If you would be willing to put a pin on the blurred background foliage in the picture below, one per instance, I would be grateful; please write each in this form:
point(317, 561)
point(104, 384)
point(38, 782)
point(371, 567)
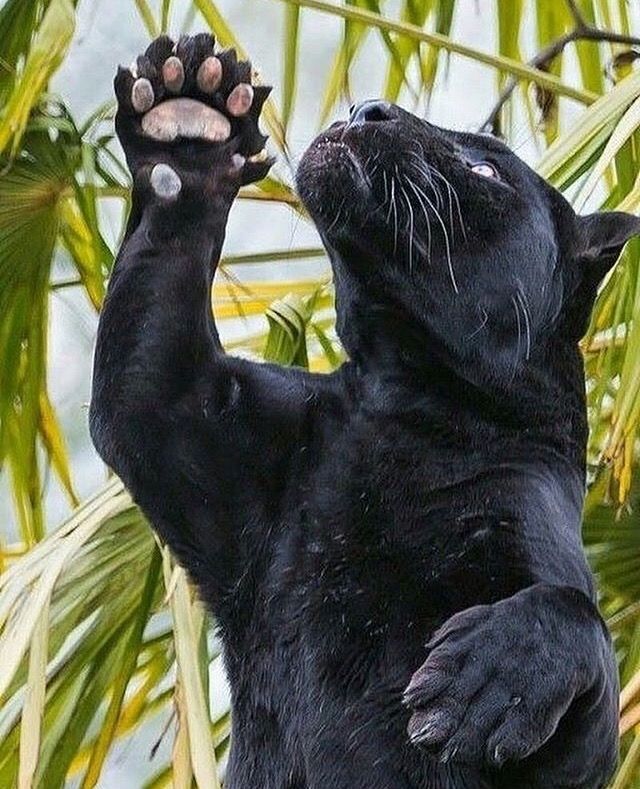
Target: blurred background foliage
point(99, 631)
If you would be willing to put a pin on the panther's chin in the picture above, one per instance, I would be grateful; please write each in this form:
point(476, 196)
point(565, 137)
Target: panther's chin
point(332, 181)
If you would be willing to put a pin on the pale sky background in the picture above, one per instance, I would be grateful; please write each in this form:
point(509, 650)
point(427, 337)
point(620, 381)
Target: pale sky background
point(110, 32)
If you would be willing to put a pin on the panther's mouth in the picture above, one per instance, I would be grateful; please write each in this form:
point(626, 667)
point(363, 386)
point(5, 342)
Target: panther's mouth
point(380, 175)
point(338, 155)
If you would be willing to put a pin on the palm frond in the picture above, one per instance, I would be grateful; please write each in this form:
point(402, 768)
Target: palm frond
point(30, 196)
point(447, 44)
point(45, 55)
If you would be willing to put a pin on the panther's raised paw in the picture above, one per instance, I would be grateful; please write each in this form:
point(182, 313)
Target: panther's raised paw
point(187, 95)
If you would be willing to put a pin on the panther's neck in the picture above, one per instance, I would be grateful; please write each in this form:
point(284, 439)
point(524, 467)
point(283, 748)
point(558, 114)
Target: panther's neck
point(541, 411)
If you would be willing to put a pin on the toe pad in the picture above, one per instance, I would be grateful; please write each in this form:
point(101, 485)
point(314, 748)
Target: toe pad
point(173, 74)
point(240, 99)
point(142, 96)
point(209, 75)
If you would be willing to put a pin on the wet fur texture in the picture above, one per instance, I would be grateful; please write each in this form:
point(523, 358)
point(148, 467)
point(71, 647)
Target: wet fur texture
point(392, 551)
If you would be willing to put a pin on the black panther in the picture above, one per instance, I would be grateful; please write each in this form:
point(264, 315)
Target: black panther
point(392, 551)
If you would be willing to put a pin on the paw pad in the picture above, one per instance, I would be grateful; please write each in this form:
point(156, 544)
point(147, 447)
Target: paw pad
point(142, 96)
point(165, 181)
point(185, 118)
point(209, 75)
point(173, 74)
point(240, 99)
point(188, 91)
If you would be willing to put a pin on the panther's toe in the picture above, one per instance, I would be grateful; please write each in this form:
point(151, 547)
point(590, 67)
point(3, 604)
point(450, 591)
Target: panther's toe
point(240, 100)
point(209, 75)
point(173, 74)
point(142, 95)
point(184, 90)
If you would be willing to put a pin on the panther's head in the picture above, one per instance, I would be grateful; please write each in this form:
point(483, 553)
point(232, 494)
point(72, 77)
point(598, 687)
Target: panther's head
point(446, 246)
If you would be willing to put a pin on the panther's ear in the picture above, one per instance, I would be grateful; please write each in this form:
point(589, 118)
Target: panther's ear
point(601, 238)
point(598, 243)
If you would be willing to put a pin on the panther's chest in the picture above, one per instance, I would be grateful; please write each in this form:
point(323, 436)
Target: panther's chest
point(387, 570)
point(383, 543)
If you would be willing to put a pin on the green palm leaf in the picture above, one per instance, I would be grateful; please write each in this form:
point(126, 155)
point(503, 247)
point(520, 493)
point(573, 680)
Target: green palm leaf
point(45, 56)
point(30, 197)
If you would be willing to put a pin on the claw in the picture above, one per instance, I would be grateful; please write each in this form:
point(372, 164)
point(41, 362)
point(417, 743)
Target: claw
point(256, 171)
point(260, 95)
point(498, 756)
point(448, 754)
point(430, 728)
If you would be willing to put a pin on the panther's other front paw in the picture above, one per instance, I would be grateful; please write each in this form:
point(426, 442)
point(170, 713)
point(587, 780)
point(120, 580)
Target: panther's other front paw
point(191, 107)
point(494, 686)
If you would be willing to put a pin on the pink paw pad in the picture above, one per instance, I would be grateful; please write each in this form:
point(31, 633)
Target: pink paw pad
point(209, 75)
point(173, 74)
point(240, 99)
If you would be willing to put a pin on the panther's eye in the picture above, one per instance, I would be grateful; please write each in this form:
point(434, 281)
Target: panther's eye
point(485, 169)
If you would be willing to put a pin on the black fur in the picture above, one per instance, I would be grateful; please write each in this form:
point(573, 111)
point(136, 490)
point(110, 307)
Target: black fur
point(392, 551)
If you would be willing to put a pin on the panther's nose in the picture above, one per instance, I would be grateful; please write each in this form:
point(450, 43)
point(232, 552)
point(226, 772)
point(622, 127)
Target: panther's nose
point(373, 110)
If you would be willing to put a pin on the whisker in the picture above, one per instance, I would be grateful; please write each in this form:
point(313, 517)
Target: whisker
point(337, 217)
point(519, 324)
point(411, 220)
point(453, 191)
point(428, 170)
point(395, 213)
point(446, 238)
point(527, 320)
point(390, 199)
point(422, 168)
point(483, 323)
point(425, 212)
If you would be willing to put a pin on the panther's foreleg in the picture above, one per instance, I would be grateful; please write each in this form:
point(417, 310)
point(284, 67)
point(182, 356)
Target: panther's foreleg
point(202, 440)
